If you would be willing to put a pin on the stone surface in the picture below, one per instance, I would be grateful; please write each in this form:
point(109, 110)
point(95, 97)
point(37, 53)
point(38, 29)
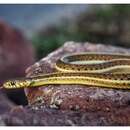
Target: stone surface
point(16, 54)
point(71, 105)
point(5, 106)
point(52, 117)
point(75, 97)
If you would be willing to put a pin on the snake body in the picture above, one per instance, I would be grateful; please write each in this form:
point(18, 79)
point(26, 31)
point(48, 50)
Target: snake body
point(88, 69)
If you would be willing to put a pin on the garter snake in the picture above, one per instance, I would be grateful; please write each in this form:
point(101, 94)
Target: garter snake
point(88, 69)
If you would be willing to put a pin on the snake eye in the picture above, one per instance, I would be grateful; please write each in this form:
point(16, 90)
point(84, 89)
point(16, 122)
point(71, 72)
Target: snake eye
point(12, 83)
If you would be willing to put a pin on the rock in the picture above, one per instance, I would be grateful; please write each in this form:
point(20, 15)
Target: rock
point(16, 54)
point(75, 96)
point(101, 106)
point(5, 104)
point(52, 117)
point(71, 105)
point(15, 51)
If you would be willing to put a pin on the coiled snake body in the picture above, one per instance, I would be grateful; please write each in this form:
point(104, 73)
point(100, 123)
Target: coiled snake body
point(89, 69)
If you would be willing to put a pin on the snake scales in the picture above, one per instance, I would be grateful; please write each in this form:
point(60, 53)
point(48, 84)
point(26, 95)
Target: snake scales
point(93, 69)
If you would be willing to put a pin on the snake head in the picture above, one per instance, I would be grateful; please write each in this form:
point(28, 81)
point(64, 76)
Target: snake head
point(12, 84)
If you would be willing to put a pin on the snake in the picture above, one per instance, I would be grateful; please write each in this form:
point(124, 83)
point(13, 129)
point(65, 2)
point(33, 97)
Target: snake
point(108, 70)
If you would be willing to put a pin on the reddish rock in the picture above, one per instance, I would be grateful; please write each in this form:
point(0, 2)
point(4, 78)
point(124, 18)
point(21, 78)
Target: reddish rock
point(16, 54)
point(77, 97)
point(15, 51)
point(53, 117)
point(5, 104)
point(75, 105)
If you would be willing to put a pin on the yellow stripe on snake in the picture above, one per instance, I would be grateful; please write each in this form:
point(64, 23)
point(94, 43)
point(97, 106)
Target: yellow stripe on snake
point(88, 69)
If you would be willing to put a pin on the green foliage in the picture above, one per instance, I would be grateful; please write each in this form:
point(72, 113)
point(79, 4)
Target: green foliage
point(46, 44)
point(77, 31)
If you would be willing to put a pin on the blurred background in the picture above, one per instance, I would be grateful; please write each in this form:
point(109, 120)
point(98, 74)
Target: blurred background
point(30, 32)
